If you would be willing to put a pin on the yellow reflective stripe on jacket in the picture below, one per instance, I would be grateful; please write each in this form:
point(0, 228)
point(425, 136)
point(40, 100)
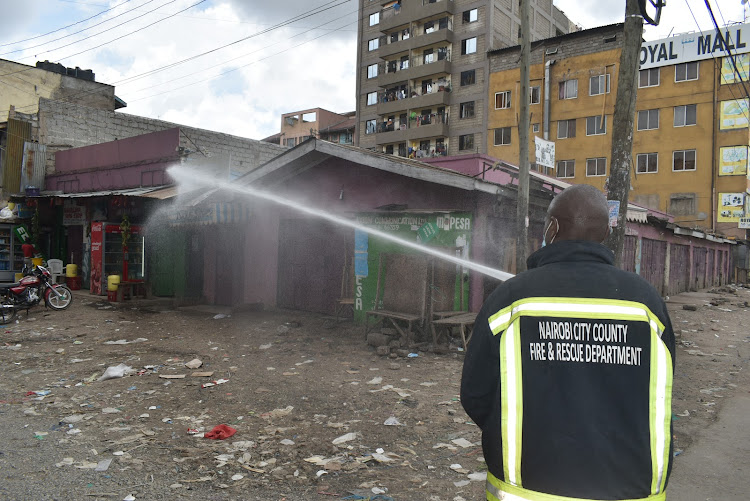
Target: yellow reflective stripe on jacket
point(511, 394)
point(612, 309)
point(507, 323)
point(497, 490)
point(660, 400)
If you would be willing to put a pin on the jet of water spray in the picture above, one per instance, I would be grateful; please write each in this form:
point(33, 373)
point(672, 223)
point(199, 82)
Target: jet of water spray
point(196, 177)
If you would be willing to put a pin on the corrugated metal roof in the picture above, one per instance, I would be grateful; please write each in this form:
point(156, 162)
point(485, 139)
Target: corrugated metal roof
point(129, 192)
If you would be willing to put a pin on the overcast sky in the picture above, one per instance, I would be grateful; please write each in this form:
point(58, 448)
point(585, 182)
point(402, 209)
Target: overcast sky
point(244, 88)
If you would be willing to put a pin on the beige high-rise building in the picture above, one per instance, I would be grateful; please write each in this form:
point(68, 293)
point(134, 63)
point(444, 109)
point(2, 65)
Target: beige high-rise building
point(423, 74)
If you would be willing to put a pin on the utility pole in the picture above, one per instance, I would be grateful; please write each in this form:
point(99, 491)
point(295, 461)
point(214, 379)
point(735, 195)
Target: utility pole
point(522, 204)
point(622, 126)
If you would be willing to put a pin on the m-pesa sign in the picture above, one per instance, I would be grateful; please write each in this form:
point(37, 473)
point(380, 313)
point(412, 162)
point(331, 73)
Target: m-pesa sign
point(695, 46)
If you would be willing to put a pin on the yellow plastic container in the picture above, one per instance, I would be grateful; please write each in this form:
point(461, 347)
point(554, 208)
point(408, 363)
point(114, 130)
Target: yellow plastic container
point(37, 261)
point(71, 270)
point(112, 282)
point(11, 205)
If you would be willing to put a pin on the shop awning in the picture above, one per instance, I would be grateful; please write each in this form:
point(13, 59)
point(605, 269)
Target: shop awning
point(129, 192)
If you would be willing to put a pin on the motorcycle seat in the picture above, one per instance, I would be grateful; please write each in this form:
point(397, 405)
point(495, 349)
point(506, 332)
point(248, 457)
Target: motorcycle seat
point(9, 286)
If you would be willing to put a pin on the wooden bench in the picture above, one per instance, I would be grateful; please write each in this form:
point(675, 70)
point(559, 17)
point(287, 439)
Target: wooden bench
point(134, 288)
point(462, 321)
point(394, 317)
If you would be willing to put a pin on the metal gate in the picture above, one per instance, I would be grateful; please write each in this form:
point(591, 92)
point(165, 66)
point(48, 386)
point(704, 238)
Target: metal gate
point(720, 271)
point(628, 253)
point(699, 268)
point(711, 271)
point(653, 262)
point(679, 269)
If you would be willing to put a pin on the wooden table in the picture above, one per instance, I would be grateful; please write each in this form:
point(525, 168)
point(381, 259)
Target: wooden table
point(133, 287)
point(394, 317)
point(461, 320)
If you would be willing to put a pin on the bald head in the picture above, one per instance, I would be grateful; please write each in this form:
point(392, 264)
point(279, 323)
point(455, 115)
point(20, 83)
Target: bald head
point(579, 212)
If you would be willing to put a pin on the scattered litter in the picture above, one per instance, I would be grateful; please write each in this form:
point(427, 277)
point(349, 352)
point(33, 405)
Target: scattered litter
point(458, 468)
point(344, 438)
point(277, 413)
point(202, 374)
point(286, 441)
point(378, 490)
point(381, 458)
point(427, 384)
point(103, 465)
point(375, 380)
point(462, 442)
point(320, 473)
point(172, 376)
point(129, 497)
point(125, 341)
point(220, 432)
point(118, 453)
point(413, 355)
point(265, 346)
point(392, 421)
point(683, 414)
point(219, 316)
point(461, 483)
point(237, 477)
point(194, 364)
point(75, 418)
point(175, 486)
point(480, 476)
point(74, 431)
point(214, 383)
point(115, 371)
point(110, 410)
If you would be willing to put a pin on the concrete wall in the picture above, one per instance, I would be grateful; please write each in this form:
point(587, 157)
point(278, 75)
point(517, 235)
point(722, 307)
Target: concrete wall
point(24, 85)
point(64, 125)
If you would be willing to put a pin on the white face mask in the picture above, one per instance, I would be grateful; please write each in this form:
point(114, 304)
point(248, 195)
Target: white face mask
point(544, 240)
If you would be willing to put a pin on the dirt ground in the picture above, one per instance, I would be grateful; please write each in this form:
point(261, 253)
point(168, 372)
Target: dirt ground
point(308, 398)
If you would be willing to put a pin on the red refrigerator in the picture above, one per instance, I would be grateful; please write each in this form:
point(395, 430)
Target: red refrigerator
point(109, 258)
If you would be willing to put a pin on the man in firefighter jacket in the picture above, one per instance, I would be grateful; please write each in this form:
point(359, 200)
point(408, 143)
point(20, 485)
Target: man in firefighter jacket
point(569, 370)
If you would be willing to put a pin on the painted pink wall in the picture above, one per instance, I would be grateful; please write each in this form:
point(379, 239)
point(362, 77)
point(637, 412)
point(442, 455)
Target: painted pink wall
point(116, 164)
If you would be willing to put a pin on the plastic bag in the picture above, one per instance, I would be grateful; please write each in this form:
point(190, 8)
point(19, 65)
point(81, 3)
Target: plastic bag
point(115, 372)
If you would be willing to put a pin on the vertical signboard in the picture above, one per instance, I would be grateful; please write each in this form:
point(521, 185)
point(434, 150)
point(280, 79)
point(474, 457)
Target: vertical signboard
point(97, 243)
point(731, 207)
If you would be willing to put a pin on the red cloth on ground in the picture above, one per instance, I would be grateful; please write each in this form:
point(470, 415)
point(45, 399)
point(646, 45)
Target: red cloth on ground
point(220, 432)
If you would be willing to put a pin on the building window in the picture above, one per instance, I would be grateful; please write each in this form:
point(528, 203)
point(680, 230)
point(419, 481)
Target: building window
point(596, 167)
point(372, 98)
point(683, 160)
point(568, 89)
point(685, 115)
point(373, 44)
point(534, 95)
point(468, 77)
point(502, 100)
point(502, 136)
point(566, 168)
point(469, 46)
point(290, 141)
point(648, 78)
point(467, 109)
point(686, 71)
point(648, 119)
point(647, 163)
point(682, 204)
point(372, 71)
point(534, 127)
point(599, 85)
point(424, 145)
point(596, 126)
point(374, 18)
point(566, 128)
point(389, 149)
point(466, 142)
point(471, 16)
point(370, 126)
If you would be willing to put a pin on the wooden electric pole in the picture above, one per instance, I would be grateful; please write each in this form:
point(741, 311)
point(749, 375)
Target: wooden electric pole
point(522, 207)
point(622, 126)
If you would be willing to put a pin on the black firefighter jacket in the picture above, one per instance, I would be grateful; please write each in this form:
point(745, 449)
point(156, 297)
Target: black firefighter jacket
point(569, 376)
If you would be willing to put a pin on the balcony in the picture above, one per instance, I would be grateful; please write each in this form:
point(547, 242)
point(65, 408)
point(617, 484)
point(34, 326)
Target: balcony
point(393, 17)
point(392, 101)
point(416, 127)
point(391, 72)
point(442, 31)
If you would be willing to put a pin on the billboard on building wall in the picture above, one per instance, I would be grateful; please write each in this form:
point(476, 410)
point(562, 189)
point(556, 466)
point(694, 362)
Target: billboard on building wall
point(695, 46)
point(733, 161)
point(733, 114)
point(731, 207)
point(728, 73)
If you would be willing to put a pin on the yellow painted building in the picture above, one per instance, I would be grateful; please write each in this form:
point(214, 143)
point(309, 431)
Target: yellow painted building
point(690, 138)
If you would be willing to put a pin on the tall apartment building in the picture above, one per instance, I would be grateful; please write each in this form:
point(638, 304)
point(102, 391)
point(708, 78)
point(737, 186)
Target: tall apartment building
point(690, 138)
point(422, 70)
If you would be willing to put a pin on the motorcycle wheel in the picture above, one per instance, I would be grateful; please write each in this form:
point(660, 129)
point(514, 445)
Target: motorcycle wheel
point(60, 302)
point(8, 311)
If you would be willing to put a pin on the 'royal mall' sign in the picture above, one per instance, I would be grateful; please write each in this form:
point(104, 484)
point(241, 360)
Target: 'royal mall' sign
point(695, 46)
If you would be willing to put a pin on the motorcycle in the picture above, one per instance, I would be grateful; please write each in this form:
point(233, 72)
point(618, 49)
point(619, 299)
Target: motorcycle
point(29, 292)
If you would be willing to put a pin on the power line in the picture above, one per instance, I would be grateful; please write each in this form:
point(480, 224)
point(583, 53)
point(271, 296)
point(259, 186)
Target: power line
point(317, 10)
point(81, 31)
point(726, 46)
point(65, 27)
